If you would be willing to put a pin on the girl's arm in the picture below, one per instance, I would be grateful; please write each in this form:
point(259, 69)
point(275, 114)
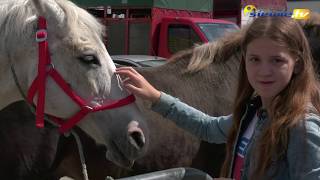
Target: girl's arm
point(304, 150)
point(207, 128)
point(211, 129)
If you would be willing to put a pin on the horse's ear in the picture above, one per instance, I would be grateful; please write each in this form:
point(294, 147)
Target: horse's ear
point(50, 10)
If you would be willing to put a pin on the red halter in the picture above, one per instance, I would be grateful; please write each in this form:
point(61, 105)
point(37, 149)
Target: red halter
point(45, 69)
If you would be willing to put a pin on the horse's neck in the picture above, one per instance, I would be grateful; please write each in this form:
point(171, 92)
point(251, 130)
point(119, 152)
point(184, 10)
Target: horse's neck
point(8, 91)
point(202, 89)
point(171, 78)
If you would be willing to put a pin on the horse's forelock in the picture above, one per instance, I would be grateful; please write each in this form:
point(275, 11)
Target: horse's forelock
point(79, 20)
point(15, 20)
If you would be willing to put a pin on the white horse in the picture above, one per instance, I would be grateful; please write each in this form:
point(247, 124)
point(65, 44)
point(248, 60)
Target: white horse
point(79, 74)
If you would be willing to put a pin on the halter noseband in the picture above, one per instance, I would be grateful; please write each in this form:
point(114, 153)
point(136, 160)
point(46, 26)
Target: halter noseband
point(45, 69)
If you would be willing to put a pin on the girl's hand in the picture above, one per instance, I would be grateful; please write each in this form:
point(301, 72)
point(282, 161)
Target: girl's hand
point(137, 84)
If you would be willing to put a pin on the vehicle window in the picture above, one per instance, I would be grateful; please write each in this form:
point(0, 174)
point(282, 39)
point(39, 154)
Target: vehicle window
point(216, 30)
point(139, 35)
point(181, 37)
point(116, 38)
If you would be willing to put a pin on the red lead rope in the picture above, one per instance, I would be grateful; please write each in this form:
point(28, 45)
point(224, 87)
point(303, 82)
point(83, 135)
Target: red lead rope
point(38, 85)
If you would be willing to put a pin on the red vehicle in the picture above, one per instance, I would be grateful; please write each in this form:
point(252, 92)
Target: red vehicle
point(158, 27)
point(182, 33)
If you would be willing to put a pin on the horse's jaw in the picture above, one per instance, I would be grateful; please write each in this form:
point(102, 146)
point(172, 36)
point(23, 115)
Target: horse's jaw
point(112, 150)
point(9, 92)
point(117, 157)
point(125, 141)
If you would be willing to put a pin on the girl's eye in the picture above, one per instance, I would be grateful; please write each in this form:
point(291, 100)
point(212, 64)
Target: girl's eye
point(278, 60)
point(253, 59)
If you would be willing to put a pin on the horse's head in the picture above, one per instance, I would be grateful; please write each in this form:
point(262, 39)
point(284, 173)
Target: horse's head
point(78, 55)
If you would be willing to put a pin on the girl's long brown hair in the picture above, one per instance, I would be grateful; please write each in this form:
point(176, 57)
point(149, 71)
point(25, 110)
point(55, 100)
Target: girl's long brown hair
point(289, 106)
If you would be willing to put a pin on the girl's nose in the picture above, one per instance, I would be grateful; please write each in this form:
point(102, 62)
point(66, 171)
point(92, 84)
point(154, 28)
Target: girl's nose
point(265, 69)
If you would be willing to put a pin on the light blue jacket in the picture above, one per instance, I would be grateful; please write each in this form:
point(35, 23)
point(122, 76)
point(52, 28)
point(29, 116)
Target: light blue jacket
point(303, 155)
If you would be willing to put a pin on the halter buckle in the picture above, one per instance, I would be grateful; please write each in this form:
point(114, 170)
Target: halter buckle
point(88, 108)
point(41, 35)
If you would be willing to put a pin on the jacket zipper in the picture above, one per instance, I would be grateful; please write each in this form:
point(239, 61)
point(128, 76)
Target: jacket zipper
point(259, 123)
point(236, 140)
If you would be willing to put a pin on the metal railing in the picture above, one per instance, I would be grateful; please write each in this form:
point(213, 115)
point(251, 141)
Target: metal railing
point(172, 174)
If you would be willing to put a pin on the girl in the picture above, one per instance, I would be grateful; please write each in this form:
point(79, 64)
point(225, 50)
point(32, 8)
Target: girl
point(274, 131)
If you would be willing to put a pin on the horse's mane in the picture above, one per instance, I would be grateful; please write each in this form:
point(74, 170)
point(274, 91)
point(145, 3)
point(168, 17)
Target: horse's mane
point(15, 15)
point(219, 51)
point(313, 20)
point(228, 47)
point(311, 28)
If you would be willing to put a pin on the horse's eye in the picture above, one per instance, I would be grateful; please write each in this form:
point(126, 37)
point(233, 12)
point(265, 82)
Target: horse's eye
point(89, 60)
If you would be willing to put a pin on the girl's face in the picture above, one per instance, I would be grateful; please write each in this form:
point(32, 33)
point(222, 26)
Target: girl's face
point(269, 68)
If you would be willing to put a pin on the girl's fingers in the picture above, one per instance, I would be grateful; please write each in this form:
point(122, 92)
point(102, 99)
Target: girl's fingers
point(126, 80)
point(125, 72)
point(134, 82)
point(128, 74)
point(129, 82)
point(128, 69)
point(132, 88)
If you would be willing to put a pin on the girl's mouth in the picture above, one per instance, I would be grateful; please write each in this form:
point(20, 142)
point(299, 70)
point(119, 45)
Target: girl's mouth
point(266, 82)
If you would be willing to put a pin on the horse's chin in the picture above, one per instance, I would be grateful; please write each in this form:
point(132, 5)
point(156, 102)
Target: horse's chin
point(119, 159)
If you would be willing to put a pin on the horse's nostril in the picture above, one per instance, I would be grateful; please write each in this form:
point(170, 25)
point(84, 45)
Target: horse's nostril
point(137, 139)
